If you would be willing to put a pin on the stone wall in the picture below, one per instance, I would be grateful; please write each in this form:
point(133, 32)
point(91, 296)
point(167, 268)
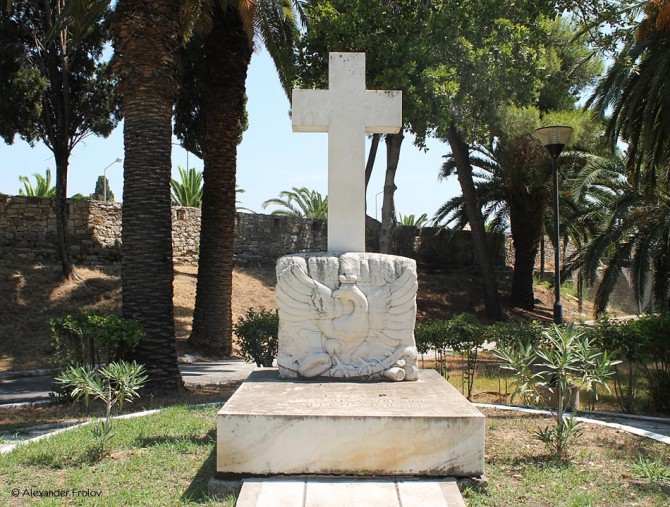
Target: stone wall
point(28, 231)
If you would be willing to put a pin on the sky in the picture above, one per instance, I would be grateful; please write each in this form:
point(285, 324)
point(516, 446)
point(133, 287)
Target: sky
point(271, 158)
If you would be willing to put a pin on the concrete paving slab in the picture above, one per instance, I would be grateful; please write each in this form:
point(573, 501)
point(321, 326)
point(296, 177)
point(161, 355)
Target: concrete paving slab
point(349, 492)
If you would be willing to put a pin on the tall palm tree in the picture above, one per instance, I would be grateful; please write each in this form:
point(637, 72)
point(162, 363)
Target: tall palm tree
point(220, 53)
point(636, 90)
point(635, 234)
point(300, 202)
point(147, 39)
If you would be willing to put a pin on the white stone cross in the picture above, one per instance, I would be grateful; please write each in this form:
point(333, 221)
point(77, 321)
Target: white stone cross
point(347, 111)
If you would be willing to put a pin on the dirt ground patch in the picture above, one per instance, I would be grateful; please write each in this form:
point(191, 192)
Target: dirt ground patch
point(32, 293)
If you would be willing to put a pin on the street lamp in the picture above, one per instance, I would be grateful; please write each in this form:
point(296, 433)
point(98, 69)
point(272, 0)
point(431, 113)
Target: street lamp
point(104, 175)
point(554, 140)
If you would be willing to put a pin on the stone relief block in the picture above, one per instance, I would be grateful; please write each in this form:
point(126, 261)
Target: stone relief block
point(347, 315)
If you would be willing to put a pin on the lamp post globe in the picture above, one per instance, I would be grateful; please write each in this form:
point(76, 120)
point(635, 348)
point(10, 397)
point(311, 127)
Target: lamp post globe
point(554, 139)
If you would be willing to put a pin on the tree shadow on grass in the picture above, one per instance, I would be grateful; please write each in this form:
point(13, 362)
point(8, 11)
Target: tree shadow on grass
point(197, 491)
point(205, 440)
point(657, 488)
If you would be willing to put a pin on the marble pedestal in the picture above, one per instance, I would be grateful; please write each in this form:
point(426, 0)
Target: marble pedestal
point(423, 428)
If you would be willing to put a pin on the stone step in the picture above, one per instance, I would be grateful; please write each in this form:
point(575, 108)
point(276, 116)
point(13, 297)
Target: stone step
point(349, 492)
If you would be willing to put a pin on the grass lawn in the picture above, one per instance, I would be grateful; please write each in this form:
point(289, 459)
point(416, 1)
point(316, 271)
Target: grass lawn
point(161, 459)
point(167, 458)
point(604, 468)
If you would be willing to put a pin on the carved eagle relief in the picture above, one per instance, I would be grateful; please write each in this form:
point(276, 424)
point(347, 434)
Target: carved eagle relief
point(346, 332)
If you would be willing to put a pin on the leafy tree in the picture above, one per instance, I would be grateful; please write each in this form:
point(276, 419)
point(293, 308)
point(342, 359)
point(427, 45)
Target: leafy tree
point(188, 191)
point(55, 87)
point(210, 120)
point(394, 36)
point(147, 40)
point(102, 190)
point(300, 202)
point(455, 62)
point(511, 167)
point(42, 186)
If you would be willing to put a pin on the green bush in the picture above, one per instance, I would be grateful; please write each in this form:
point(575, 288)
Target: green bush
point(114, 385)
point(93, 339)
point(434, 335)
point(257, 334)
point(463, 334)
point(655, 334)
point(623, 342)
point(644, 344)
point(515, 334)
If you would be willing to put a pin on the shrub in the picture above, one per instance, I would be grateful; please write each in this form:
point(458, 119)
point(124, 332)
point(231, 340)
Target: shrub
point(564, 360)
point(92, 339)
point(645, 345)
point(257, 334)
point(623, 342)
point(515, 334)
point(434, 335)
point(466, 335)
point(113, 385)
point(463, 334)
point(655, 358)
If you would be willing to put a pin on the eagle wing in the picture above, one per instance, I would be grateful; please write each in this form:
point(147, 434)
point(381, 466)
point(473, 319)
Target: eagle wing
point(392, 311)
point(301, 298)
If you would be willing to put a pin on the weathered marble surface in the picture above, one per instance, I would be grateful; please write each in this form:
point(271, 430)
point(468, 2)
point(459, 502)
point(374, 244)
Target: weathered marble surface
point(424, 428)
point(347, 315)
point(346, 110)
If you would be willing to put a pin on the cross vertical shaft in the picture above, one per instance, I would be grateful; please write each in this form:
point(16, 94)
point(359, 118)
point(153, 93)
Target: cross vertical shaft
point(347, 111)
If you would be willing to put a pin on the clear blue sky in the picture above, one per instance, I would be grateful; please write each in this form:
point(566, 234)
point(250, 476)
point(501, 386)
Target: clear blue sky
point(271, 157)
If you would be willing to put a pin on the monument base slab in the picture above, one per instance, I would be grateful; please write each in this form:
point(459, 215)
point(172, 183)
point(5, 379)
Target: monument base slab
point(424, 428)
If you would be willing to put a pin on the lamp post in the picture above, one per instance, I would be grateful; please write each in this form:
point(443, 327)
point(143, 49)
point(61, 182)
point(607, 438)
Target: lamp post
point(104, 176)
point(554, 140)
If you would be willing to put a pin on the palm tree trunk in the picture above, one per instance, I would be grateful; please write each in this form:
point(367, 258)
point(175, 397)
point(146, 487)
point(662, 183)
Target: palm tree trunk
point(147, 35)
point(227, 54)
point(393, 144)
point(461, 154)
point(526, 221)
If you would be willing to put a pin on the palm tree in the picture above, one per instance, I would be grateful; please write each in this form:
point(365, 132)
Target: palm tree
point(635, 234)
point(42, 186)
point(635, 90)
point(412, 221)
point(300, 202)
point(218, 57)
point(188, 191)
point(514, 190)
point(147, 39)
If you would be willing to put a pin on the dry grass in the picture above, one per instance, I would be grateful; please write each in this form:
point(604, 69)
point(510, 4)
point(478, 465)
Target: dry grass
point(31, 294)
point(599, 472)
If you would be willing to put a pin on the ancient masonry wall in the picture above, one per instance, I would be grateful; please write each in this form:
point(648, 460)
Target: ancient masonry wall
point(28, 232)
